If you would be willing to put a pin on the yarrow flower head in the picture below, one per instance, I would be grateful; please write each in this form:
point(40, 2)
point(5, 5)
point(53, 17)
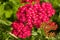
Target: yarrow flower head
point(30, 16)
point(21, 30)
point(24, 1)
point(35, 14)
point(29, 1)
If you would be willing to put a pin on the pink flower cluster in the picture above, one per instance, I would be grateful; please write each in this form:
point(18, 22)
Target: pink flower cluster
point(24, 1)
point(30, 1)
point(33, 15)
point(20, 30)
point(30, 16)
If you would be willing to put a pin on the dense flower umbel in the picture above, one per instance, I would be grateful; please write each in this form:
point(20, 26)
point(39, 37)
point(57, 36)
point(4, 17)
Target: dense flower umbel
point(24, 1)
point(35, 14)
point(21, 30)
point(30, 16)
point(29, 1)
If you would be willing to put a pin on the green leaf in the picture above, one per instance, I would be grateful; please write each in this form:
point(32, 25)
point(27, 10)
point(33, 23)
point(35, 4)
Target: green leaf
point(1, 10)
point(6, 22)
point(34, 33)
point(41, 31)
point(8, 13)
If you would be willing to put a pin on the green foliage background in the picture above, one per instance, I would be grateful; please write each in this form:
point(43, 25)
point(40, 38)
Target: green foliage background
point(8, 10)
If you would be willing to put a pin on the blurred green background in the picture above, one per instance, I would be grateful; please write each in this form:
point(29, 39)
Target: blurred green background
point(8, 10)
